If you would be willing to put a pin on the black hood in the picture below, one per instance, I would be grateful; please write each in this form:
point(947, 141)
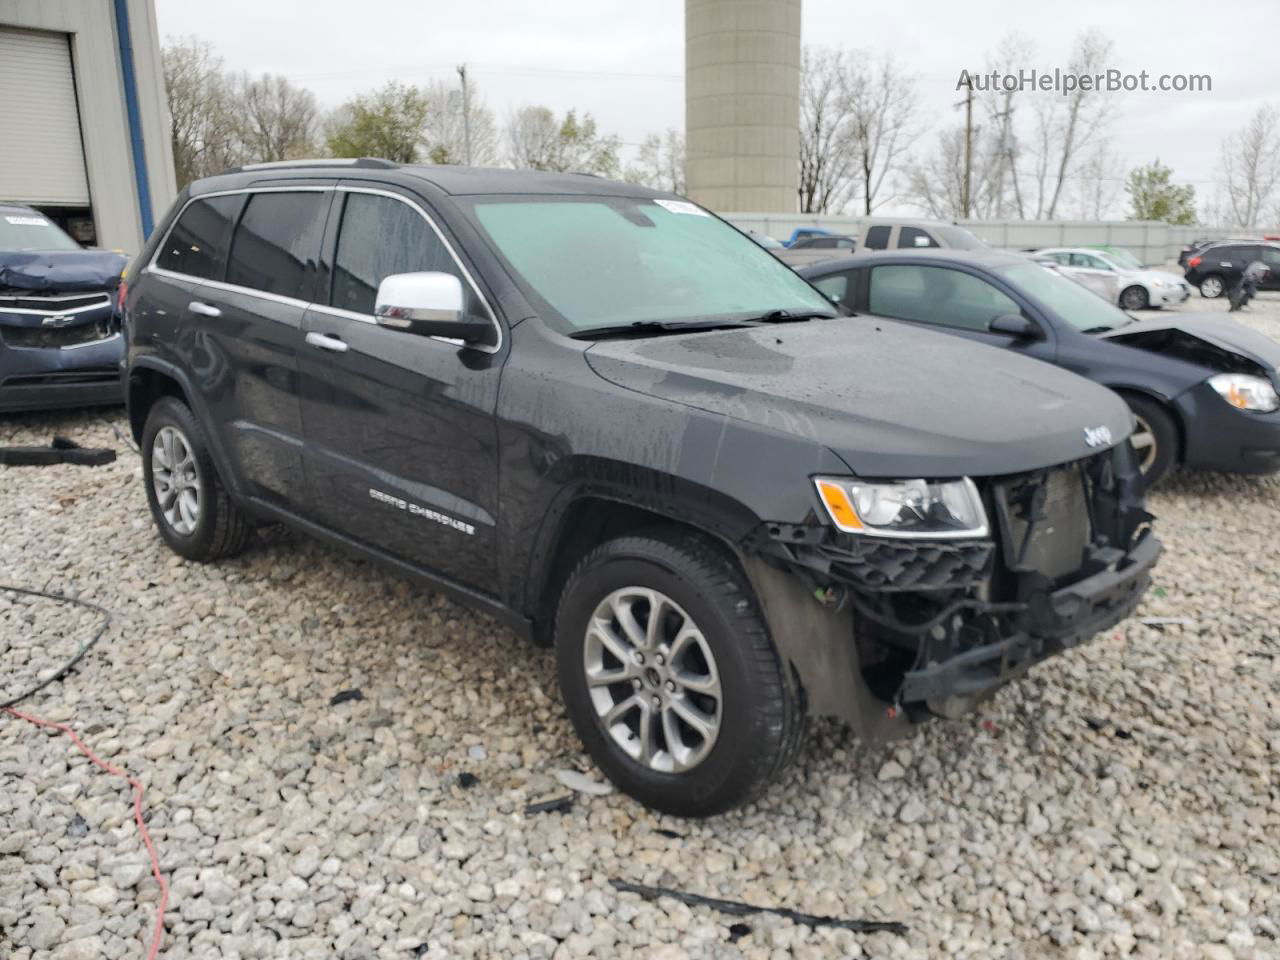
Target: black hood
point(60, 270)
point(1177, 337)
point(890, 399)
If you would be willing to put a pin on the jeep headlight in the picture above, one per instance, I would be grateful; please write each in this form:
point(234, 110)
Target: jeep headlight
point(917, 509)
point(1245, 392)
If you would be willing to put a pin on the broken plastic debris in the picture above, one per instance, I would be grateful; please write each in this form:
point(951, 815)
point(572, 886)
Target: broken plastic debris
point(346, 695)
point(738, 909)
point(582, 783)
point(467, 780)
point(555, 805)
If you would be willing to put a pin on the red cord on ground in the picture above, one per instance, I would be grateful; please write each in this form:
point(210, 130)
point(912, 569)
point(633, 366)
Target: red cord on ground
point(138, 792)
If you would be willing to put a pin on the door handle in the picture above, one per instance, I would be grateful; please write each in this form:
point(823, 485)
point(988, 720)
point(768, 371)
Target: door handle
point(326, 341)
point(204, 309)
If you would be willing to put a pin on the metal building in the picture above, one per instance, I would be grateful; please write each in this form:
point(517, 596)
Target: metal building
point(742, 103)
point(85, 121)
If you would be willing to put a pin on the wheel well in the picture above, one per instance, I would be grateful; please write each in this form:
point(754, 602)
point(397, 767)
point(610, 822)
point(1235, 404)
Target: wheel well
point(1127, 392)
point(146, 386)
point(588, 523)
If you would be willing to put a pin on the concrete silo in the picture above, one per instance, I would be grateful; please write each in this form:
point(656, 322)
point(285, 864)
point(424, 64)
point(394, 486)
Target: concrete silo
point(742, 104)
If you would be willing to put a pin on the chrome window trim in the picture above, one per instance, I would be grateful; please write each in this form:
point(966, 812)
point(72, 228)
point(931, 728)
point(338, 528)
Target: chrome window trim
point(152, 266)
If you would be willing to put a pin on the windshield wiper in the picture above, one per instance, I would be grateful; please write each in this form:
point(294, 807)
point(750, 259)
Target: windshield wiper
point(642, 328)
point(787, 316)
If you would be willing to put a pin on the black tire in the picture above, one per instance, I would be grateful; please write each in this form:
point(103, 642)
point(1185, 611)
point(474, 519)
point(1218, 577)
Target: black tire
point(1156, 421)
point(762, 717)
point(1212, 286)
point(220, 528)
point(1135, 298)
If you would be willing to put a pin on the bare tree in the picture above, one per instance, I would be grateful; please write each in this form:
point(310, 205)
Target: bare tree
point(1065, 125)
point(881, 105)
point(447, 122)
point(1251, 168)
point(660, 163)
point(202, 124)
point(275, 119)
point(827, 160)
point(536, 140)
point(998, 110)
point(936, 184)
point(1097, 185)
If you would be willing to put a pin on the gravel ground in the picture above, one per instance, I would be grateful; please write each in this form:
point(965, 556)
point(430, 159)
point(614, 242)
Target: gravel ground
point(1122, 800)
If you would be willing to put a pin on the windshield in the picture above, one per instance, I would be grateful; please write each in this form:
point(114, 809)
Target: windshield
point(1123, 258)
point(606, 261)
point(1075, 304)
point(961, 239)
point(28, 230)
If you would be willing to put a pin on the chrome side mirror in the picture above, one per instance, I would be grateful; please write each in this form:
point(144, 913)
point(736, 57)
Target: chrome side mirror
point(429, 304)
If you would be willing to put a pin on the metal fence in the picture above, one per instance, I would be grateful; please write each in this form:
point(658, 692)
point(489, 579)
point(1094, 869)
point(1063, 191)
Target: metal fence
point(1151, 241)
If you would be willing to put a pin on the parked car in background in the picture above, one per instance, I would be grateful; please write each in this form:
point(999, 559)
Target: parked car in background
point(917, 235)
point(816, 249)
point(1104, 283)
point(1195, 246)
point(1203, 389)
point(1217, 268)
point(1139, 287)
point(60, 343)
point(803, 233)
point(1121, 255)
point(608, 419)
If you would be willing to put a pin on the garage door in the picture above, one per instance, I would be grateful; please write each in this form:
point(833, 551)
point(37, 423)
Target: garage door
point(41, 160)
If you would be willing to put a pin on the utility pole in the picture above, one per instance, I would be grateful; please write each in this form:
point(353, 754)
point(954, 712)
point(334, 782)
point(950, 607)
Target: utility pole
point(466, 116)
point(968, 151)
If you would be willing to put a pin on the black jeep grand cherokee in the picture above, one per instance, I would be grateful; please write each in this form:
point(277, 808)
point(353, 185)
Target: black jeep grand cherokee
point(612, 421)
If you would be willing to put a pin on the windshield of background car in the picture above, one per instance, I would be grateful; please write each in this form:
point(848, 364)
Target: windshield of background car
point(28, 230)
point(605, 261)
point(1125, 260)
point(1074, 303)
point(961, 239)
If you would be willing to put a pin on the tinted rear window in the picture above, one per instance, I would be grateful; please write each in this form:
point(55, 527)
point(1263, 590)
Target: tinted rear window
point(277, 243)
point(877, 238)
point(197, 244)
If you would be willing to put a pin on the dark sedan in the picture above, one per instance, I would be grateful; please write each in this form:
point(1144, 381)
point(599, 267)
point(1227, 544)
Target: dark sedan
point(1203, 389)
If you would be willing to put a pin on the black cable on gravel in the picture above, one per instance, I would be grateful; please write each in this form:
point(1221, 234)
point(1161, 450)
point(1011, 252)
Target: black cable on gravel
point(79, 654)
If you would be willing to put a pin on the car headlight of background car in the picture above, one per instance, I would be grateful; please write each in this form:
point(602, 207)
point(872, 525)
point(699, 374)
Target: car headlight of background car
point(915, 509)
point(1246, 392)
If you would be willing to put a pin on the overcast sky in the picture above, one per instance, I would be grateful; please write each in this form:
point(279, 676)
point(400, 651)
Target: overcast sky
point(624, 61)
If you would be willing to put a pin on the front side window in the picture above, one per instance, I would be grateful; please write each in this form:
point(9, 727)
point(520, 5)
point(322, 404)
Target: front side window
point(938, 295)
point(277, 243)
point(379, 237)
point(911, 237)
point(1271, 257)
point(197, 244)
point(607, 261)
point(878, 237)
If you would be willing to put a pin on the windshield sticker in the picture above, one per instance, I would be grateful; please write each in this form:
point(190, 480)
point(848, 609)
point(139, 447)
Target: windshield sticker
point(682, 206)
point(28, 221)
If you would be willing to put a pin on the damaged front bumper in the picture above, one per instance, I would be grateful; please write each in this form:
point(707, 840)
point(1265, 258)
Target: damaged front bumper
point(877, 630)
point(59, 351)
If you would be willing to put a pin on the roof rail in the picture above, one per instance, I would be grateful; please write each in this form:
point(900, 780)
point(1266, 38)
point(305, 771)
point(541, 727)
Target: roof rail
point(365, 163)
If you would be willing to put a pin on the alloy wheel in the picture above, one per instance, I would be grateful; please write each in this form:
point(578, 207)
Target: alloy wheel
point(1144, 443)
point(176, 479)
point(1211, 287)
point(652, 679)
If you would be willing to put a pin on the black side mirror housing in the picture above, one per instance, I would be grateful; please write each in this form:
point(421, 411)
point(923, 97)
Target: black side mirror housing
point(1017, 326)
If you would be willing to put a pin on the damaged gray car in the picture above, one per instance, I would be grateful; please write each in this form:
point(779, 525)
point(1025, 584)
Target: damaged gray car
point(1202, 388)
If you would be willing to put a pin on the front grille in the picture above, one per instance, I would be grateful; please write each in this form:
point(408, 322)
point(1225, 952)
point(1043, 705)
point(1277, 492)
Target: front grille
point(1048, 521)
point(56, 337)
point(54, 303)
